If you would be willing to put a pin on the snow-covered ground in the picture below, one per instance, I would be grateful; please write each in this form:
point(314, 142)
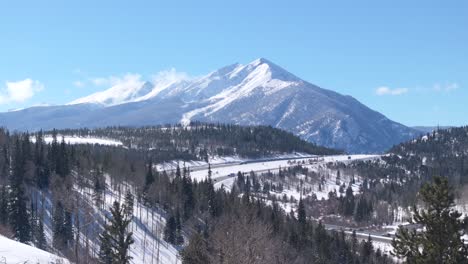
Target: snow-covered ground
point(218, 161)
point(147, 226)
point(221, 174)
point(15, 252)
point(81, 140)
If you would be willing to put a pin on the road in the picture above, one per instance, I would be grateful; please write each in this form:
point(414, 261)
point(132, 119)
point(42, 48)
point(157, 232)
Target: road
point(222, 172)
point(361, 235)
point(225, 172)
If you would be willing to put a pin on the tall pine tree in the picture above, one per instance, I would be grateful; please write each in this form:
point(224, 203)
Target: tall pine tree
point(18, 212)
point(441, 241)
point(116, 239)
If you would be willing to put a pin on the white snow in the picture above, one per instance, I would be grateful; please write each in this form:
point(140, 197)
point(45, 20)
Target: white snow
point(147, 225)
point(221, 174)
point(15, 252)
point(81, 140)
point(260, 78)
point(123, 90)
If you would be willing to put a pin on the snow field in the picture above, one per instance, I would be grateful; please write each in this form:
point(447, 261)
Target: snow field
point(15, 252)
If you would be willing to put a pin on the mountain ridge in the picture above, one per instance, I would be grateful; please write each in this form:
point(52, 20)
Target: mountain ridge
point(258, 93)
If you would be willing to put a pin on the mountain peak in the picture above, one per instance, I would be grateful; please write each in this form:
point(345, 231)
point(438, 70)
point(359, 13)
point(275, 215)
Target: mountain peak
point(259, 61)
point(277, 72)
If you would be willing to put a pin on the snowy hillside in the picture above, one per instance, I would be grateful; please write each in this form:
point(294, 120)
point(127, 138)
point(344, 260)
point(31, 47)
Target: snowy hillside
point(15, 252)
point(258, 93)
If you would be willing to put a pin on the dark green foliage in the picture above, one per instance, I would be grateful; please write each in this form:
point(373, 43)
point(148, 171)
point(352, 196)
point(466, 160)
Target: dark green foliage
point(363, 210)
point(201, 140)
point(441, 241)
point(301, 214)
point(170, 230)
point(348, 202)
point(173, 230)
point(18, 212)
point(40, 235)
point(106, 254)
point(129, 204)
point(3, 205)
point(149, 179)
point(115, 239)
point(62, 227)
point(191, 206)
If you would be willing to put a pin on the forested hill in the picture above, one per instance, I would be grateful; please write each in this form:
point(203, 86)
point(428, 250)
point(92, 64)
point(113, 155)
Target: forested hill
point(446, 142)
point(57, 196)
point(200, 140)
point(442, 152)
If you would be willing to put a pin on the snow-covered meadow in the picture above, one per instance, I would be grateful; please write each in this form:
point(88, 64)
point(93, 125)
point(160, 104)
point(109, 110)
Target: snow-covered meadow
point(15, 252)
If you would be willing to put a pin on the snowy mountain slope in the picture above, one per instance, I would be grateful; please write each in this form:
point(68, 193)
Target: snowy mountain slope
point(15, 252)
point(259, 93)
point(124, 91)
point(147, 224)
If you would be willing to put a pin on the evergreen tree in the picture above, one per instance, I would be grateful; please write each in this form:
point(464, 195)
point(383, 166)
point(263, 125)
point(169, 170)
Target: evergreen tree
point(41, 241)
point(18, 213)
point(441, 241)
point(57, 224)
point(348, 202)
point(129, 204)
point(149, 179)
point(213, 206)
point(115, 239)
point(179, 239)
point(170, 230)
point(188, 197)
point(367, 249)
point(106, 254)
point(4, 205)
point(68, 227)
point(301, 214)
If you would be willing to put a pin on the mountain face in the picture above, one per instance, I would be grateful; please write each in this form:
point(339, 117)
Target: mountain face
point(259, 93)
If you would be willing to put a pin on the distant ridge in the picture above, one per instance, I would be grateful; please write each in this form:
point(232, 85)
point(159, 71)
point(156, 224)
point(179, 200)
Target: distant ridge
point(258, 93)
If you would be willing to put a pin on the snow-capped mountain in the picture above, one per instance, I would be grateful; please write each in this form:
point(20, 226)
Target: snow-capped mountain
point(257, 93)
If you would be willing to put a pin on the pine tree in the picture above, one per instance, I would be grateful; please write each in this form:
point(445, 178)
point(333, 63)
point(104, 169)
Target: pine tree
point(213, 206)
point(367, 249)
point(115, 239)
point(68, 227)
point(348, 202)
point(179, 239)
point(129, 204)
point(301, 214)
point(41, 241)
point(188, 197)
point(106, 254)
point(42, 170)
point(170, 230)
point(4, 205)
point(441, 241)
point(58, 229)
point(149, 179)
point(18, 213)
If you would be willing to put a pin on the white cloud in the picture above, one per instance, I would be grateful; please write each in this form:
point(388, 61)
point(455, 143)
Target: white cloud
point(447, 87)
point(20, 91)
point(100, 81)
point(78, 83)
point(384, 90)
point(116, 80)
point(169, 76)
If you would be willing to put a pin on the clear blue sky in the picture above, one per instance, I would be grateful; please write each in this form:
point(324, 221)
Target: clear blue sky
point(406, 59)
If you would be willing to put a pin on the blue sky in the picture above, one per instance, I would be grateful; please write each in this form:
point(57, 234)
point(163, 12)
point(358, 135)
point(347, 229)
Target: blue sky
point(406, 59)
